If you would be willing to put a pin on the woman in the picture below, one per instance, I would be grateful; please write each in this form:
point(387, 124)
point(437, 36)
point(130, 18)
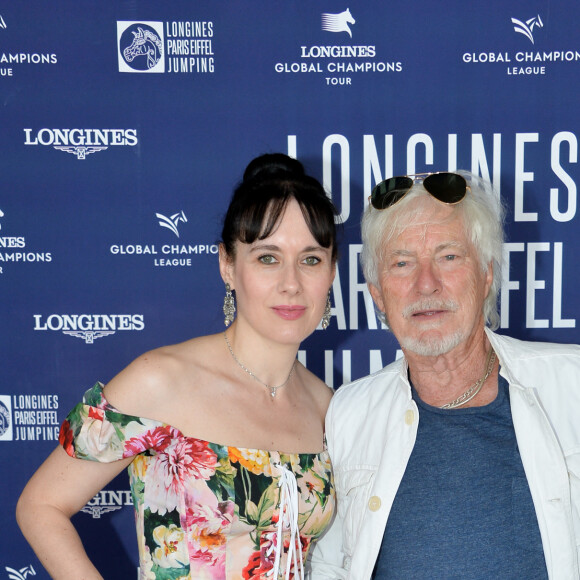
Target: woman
point(222, 434)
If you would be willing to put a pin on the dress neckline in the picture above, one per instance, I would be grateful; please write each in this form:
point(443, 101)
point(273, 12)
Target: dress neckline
point(108, 407)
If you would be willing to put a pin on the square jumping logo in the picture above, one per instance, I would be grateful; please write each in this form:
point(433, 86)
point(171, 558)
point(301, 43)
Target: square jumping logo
point(141, 47)
point(6, 430)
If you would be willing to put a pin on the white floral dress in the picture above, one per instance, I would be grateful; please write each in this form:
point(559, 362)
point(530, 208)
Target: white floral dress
point(203, 510)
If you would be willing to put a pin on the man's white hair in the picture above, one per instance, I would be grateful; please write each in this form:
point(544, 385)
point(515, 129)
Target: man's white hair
point(482, 214)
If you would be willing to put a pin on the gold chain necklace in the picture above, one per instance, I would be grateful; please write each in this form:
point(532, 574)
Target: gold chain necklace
point(242, 366)
point(474, 389)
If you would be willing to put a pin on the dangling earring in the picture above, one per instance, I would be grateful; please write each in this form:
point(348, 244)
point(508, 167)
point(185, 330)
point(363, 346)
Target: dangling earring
point(326, 315)
point(229, 306)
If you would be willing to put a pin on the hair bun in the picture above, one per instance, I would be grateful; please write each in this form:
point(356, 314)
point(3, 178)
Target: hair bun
point(273, 166)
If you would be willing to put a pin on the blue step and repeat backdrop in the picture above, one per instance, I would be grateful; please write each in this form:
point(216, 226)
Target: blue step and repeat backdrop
point(124, 127)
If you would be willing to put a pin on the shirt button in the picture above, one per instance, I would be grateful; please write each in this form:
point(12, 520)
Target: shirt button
point(409, 417)
point(375, 503)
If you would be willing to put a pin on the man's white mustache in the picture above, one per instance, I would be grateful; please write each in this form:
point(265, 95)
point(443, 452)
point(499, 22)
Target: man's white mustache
point(429, 304)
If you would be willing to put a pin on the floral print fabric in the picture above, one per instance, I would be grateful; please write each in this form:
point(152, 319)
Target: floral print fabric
point(203, 510)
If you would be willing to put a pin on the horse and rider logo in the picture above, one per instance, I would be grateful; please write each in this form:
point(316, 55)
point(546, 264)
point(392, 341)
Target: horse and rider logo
point(140, 46)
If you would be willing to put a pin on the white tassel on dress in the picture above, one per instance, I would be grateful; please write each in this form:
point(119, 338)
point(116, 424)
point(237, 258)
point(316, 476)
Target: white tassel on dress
point(288, 520)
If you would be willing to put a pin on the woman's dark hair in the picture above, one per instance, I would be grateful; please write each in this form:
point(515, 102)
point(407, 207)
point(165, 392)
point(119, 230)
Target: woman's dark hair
point(270, 182)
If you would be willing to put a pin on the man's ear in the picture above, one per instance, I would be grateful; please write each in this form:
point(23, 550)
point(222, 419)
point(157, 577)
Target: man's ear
point(226, 266)
point(488, 278)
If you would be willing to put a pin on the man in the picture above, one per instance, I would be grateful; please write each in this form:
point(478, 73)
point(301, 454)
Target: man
point(461, 460)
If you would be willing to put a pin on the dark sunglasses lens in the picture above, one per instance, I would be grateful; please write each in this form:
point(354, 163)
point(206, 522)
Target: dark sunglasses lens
point(446, 187)
point(390, 191)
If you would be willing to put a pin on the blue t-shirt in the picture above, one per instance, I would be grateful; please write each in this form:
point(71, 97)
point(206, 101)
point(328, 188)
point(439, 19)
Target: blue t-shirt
point(464, 508)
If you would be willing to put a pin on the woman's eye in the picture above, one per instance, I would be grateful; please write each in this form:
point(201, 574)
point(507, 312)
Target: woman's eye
point(312, 260)
point(267, 259)
point(400, 264)
point(450, 257)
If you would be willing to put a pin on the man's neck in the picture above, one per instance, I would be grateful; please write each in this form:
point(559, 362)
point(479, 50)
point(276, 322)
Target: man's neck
point(441, 379)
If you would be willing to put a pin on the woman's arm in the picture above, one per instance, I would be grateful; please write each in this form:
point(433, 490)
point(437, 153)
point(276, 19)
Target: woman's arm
point(60, 488)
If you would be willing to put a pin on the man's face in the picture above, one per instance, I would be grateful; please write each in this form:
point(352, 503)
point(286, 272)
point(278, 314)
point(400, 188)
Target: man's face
point(431, 284)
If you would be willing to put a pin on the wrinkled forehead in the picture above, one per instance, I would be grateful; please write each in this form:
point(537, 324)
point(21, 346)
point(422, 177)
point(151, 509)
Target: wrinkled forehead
point(425, 231)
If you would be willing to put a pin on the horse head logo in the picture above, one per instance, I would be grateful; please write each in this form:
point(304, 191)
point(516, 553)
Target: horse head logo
point(527, 27)
point(145, 44)
point(338, 22)
point(5, 418)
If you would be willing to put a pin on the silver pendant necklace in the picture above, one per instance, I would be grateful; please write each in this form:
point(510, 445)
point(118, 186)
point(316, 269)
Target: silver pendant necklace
point(245, 368)
point(474, 389)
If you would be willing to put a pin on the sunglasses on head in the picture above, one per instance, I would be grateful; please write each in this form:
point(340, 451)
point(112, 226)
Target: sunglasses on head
point(447, 188)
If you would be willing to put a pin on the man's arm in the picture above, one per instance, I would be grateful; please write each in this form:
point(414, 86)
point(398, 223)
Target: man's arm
point(327, 556)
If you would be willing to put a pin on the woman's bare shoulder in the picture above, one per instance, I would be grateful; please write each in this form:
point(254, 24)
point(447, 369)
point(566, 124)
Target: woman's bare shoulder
point(158, 376)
